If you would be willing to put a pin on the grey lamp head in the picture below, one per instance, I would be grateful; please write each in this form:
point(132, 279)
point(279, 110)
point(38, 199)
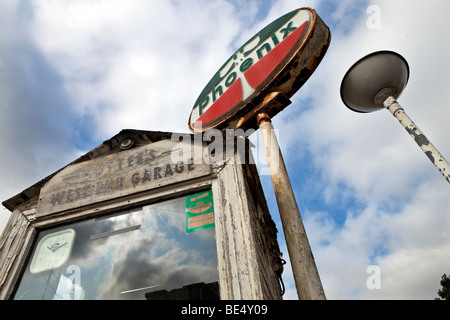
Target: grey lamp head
point(374, 78)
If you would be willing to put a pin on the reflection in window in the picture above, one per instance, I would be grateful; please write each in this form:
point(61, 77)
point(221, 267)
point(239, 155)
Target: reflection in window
point(133, 254)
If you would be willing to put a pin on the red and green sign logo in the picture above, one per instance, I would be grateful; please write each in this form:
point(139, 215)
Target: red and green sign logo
point(251, 69)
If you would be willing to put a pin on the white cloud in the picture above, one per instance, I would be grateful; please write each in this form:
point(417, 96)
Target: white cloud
point(32, 106)
point(133, 64)
point(410, 246)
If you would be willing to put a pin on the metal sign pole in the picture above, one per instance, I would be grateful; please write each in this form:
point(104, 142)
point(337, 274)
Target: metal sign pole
point(306, 276)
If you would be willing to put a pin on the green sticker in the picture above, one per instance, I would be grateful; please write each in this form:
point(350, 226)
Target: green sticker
point(199, 211)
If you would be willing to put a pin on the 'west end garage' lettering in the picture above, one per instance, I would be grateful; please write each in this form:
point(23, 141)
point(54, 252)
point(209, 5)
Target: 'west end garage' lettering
point(110, 185)
point(117, 175)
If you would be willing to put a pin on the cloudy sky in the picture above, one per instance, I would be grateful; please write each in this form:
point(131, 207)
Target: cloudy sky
point(75, 73)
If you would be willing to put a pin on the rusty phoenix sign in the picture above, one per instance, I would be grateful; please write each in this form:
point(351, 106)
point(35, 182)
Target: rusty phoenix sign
point(279, 58)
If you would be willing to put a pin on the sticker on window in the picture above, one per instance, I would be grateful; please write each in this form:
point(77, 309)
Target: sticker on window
point(199, 211)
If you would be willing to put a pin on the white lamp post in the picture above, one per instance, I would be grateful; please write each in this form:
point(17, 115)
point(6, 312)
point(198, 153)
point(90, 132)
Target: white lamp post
point(374, 83)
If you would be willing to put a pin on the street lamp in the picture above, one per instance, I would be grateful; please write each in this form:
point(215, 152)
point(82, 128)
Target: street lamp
point(374, 83)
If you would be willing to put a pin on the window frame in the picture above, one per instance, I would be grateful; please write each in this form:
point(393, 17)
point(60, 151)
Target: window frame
point(96, 210)
point(104, 210)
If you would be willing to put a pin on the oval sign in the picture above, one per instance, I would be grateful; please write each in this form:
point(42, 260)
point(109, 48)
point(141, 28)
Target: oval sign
point(279, 58)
